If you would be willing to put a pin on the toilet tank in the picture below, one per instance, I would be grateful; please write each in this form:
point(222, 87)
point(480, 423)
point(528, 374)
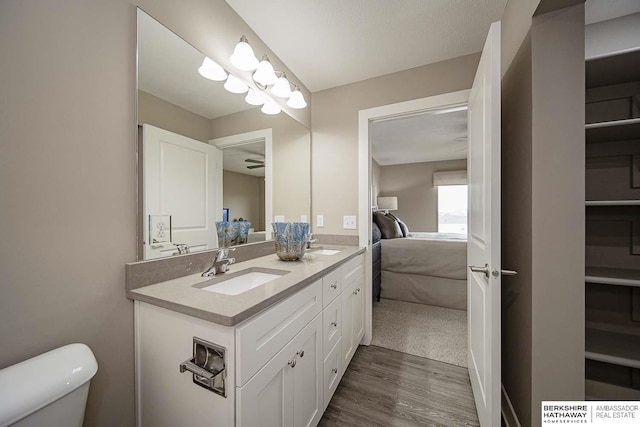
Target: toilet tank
point(50, 389)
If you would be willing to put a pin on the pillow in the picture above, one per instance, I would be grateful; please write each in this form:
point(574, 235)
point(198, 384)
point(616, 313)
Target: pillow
point(376, 234)
point(388, 226)
point(403, 226)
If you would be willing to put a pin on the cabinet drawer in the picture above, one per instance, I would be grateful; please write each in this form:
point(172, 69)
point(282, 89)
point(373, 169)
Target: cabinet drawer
point(332, 370)
point(266, 334)
point(352, 269)
point(331, 325)
point(331, 286)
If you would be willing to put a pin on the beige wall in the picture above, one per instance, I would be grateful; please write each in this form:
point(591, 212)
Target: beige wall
point(417, 197)
point(291, 157)
point(67, 175)
point(335, 129)
point(543, 214)
point(165, 115)
point(241, 195)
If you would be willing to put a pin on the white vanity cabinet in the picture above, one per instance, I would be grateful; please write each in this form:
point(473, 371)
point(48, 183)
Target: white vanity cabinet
point(282, 365)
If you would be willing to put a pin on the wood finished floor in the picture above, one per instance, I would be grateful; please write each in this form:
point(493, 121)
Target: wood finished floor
point(384, 387)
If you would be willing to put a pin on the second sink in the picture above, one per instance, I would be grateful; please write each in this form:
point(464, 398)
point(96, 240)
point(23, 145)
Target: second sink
point(241, 281)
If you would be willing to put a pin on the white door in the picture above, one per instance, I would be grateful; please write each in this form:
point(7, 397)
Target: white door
point(483, 249)
point(182, 177)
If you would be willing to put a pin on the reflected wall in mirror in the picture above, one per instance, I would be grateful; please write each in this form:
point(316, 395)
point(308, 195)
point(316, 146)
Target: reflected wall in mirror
point(202, 150)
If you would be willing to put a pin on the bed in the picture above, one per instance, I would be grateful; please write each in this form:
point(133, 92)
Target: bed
point(426, 268)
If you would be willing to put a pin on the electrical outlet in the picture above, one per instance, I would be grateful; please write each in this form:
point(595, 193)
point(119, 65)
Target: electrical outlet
point(349, 222)
point(303, 218)
point(320, 221)
point(278, 218)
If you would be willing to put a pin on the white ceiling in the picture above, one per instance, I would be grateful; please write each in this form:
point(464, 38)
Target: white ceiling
point(168, 68)
point(425, 137)
point(329, 43)
point(234, 158)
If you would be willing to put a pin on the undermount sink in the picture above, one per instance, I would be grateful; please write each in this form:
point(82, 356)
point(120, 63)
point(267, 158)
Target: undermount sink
point(323, 251)
point(241, 281)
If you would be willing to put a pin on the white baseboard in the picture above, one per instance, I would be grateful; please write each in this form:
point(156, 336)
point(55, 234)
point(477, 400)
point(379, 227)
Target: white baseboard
point(508, 413)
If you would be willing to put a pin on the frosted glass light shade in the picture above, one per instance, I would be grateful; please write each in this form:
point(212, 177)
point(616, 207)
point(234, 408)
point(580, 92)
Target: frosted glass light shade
point(212, 70)
point(270, 108)
point(235, 85)
point(297, 99)
point(243, 57)
point(254, 98)
point(388, 203)
point(265, 75)
point(282, 87)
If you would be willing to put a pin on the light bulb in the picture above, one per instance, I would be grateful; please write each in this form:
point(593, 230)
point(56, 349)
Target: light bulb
point(254, 98)
point(265, 75)
point(270, 108)
point(282, 87)
point(243, 57)
point(212, 70)
point(297, 99)
point(235, 85)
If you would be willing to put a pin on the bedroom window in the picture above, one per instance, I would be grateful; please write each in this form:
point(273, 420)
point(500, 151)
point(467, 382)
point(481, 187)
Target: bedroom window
point(452, 209)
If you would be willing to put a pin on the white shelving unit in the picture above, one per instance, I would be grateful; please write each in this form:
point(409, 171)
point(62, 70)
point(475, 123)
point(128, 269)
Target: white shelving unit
point(612, 337)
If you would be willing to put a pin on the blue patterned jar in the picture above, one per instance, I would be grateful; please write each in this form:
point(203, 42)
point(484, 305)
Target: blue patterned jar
point(291, 239)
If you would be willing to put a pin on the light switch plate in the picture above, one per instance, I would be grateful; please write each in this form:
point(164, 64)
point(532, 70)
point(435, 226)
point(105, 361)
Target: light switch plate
point(278, 218)
point(320, 221)
point(303, 218)
point(349, 222)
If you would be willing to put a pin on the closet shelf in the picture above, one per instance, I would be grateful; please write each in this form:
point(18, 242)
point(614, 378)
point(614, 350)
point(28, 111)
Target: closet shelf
point(618, 130)
point(612, 276)
point(612, 203)
point(596, 390)
point(611, 347)
point(614, 68)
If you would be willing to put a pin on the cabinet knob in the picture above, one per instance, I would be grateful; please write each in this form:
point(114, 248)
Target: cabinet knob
point(334, 285)
point(334, 324)
point(334, 370)
point(292, 363)
point(300, 353)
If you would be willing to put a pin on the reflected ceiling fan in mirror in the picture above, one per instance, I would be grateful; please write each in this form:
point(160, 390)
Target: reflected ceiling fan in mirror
point(259, 163)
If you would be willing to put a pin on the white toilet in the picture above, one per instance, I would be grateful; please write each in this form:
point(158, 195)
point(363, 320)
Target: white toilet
point(48, 390)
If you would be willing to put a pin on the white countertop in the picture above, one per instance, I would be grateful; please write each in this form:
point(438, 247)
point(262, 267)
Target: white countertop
point(182, 296)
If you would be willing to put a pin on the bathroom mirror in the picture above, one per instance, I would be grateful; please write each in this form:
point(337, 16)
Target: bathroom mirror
point(204, 154)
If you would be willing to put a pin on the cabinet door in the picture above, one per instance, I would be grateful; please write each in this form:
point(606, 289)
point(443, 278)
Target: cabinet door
point(307, 374)
point(347, 327)
point(267, 399)
point(358, 312)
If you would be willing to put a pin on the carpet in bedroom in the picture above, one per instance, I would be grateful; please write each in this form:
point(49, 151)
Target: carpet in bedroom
point(436, 333)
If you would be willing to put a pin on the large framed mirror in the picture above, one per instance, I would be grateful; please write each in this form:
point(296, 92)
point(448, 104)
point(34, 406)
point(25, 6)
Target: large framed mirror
point(205, 155)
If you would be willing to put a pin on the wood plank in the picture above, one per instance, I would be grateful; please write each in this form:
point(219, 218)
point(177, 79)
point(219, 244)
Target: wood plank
point(385, 387)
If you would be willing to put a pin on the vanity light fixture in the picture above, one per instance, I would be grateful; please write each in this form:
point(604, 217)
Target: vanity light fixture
point(254, 97)
point(212, 70)
point(297, 99)
point(265, 75)
point(235, 85)
point(282, 88)
point(243, 57)
point(270, 108)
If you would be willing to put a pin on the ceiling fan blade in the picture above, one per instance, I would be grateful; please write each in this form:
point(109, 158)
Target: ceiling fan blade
point(254, 161)
point(255, 167)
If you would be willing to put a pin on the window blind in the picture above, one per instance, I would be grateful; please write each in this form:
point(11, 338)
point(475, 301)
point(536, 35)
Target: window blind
point(450, 178)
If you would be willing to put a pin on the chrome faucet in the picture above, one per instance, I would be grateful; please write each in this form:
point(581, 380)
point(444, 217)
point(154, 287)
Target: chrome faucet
point(310, 240)
point(220, 263)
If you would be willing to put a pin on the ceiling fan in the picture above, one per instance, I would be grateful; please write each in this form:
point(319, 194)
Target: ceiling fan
point(260, 163)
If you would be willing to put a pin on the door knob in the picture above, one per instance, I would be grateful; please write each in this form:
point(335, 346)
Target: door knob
point(484, 270)
point(496, 273)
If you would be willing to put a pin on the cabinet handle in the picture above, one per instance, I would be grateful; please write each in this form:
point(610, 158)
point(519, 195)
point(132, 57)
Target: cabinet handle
point(334, 285)
point(292, 363)
point(334, 324)
point(300, 353)
point(334, 370)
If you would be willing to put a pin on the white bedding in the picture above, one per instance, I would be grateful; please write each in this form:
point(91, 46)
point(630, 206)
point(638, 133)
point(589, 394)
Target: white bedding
point(440, 257)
